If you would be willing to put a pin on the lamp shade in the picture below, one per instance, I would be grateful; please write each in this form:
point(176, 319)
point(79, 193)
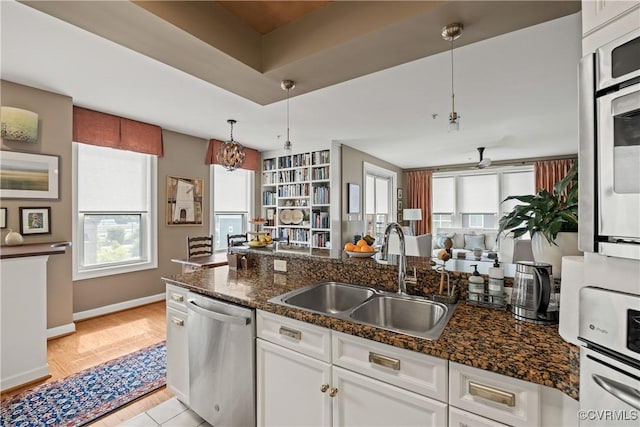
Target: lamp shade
point(412, 214)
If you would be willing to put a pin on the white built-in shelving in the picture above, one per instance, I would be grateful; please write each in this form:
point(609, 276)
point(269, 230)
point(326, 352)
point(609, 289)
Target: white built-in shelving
point(296, 197)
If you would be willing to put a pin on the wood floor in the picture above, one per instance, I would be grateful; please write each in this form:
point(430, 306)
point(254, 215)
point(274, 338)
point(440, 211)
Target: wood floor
point(104, 338)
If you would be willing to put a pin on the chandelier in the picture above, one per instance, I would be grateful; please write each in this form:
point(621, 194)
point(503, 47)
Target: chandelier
point(231, 154)
point(450, 33)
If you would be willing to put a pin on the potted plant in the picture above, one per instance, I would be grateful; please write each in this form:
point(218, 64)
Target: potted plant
point(550, 218)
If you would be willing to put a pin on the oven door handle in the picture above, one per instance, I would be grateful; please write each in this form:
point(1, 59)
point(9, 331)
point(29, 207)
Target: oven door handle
point(628, 395)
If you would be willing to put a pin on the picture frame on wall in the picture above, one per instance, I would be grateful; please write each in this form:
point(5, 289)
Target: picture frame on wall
point(399, 206)
point(28, 175)
point(400, 193)
point(35, 220)
point(3, 218)
point(353, 194)
point(185, 199)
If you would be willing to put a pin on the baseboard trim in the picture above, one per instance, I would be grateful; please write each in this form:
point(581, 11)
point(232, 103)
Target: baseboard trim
point(59, 331)
point(107, 309)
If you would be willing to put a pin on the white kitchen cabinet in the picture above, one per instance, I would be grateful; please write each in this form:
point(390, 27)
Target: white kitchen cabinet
point(461, 418)
point(598, 13)
point(508, 400)
point(363, 401)
point(289, 387)
point(606, 20)
point(297, 384)
point(177, 343)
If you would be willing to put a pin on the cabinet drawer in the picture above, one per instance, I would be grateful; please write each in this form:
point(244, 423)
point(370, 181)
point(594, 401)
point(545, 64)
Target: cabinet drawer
point(501, 398)
point(460, 418)
point(420, 373)
point(177, 297)
point(305, 338)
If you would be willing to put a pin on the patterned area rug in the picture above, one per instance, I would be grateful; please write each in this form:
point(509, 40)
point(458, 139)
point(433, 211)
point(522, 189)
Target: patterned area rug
point(83, 397)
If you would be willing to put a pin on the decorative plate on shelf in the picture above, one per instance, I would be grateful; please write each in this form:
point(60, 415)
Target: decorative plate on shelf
point(361, 254)
point(296, 216)
point(285, 216)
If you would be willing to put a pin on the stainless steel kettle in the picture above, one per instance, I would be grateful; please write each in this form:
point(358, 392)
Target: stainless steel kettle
point(534, 298)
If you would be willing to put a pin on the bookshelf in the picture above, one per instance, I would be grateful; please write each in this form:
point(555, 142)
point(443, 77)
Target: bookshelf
point(296, 198)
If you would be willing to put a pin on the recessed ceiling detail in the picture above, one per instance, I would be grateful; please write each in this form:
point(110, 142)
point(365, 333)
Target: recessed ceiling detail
point(321, 44)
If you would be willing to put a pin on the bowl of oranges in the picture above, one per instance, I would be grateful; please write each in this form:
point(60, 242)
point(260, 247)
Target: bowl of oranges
point(359, 250)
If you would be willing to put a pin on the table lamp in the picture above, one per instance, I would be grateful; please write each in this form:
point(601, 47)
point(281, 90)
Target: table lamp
point(412, 215)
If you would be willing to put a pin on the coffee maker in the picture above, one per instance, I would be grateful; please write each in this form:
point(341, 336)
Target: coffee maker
point(534, 298)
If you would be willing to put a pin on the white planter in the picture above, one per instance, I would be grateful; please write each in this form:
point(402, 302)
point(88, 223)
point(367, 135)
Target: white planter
point(566, 244)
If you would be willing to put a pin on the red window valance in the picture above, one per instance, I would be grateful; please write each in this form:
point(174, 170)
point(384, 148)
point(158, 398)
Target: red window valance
point(251, 160)
point(106, 130)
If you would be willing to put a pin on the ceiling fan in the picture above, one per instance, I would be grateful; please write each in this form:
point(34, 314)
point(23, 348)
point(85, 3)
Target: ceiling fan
point(484, 162)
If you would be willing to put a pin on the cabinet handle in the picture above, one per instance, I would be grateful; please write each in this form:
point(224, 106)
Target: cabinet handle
point(333, 392)
point(177, 321)
point(491, 393)
point(177, 297)
point(291, 333)
point(324, 387)
point(385, 361)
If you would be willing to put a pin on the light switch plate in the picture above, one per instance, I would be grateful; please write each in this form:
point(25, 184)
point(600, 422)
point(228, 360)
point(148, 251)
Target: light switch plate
point(280, 265)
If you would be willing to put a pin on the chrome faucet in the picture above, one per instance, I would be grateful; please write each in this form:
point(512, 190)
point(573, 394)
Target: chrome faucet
point(402, 263)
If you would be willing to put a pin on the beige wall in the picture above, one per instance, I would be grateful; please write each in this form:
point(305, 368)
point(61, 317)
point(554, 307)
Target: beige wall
point(352, 172)
point(54, 137)
point(183, 156)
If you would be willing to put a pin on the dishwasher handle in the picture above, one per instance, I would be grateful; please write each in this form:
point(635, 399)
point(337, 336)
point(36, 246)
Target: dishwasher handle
point(241, 321)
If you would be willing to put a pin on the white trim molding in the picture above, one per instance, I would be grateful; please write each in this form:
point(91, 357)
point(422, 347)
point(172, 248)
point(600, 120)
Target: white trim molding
point(59, 331)
point(107, 309)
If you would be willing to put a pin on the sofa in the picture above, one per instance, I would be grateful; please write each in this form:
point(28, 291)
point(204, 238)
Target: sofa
point(509, 250)
point(413, 245)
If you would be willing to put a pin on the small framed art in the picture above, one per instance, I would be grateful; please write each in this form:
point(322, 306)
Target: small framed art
point(3, 218)
point(35, 221)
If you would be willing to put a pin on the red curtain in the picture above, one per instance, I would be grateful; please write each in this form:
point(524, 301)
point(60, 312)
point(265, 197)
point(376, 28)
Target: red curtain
point(106, 130)
point(251, 160)
point(419, 196)
point(549, 172)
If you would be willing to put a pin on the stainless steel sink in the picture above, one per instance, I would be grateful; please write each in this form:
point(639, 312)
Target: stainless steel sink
point(327, 297)
point(415, 316)
point(406, 314)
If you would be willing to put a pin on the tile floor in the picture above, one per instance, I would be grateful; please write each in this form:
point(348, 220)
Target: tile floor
point(170, 413)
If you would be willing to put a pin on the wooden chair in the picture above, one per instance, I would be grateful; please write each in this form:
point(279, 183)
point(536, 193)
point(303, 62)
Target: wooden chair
point(236, 240)
point(201, 245)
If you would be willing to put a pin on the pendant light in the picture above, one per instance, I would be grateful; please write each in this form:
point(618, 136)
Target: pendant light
point(231, 154)
point(450, 33)
point(287, 85)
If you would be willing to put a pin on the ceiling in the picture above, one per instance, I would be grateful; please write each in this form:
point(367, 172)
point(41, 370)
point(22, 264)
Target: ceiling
point(370, 75)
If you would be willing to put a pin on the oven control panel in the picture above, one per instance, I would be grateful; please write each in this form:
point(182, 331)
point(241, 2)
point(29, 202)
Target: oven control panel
point(611, 320)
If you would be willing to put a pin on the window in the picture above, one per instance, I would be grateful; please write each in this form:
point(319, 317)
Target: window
point(232, 201)
point(115, 211)
point(379, 184)
point(473, 199)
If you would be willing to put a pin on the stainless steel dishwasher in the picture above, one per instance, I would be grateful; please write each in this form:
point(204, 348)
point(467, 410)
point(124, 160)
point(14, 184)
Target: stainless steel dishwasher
point(222, 361)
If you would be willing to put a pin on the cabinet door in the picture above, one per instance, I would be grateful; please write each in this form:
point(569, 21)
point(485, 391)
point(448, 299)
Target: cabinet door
point(363, 401)
point(177, 354)
point(289, 387)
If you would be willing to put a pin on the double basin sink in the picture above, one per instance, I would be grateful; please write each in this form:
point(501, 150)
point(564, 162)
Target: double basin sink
point(406, 314)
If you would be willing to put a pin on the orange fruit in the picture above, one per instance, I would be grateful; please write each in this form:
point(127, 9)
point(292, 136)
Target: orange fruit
point(349, 247)
point(362, 242)
point(367, 249)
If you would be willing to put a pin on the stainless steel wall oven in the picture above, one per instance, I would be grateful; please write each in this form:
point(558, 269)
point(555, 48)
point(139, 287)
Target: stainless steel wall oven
point(609, 157)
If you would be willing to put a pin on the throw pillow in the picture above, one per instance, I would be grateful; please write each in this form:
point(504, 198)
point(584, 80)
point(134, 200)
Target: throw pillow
point(441, 238)
point(473, 241)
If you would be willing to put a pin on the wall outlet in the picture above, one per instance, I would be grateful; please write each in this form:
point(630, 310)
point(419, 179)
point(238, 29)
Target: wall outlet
point(280, 265)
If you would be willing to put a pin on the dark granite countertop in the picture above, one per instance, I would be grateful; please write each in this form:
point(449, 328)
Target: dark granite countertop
point(481, 337)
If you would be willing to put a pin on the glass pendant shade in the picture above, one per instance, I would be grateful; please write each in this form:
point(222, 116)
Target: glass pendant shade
point(231, 154)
